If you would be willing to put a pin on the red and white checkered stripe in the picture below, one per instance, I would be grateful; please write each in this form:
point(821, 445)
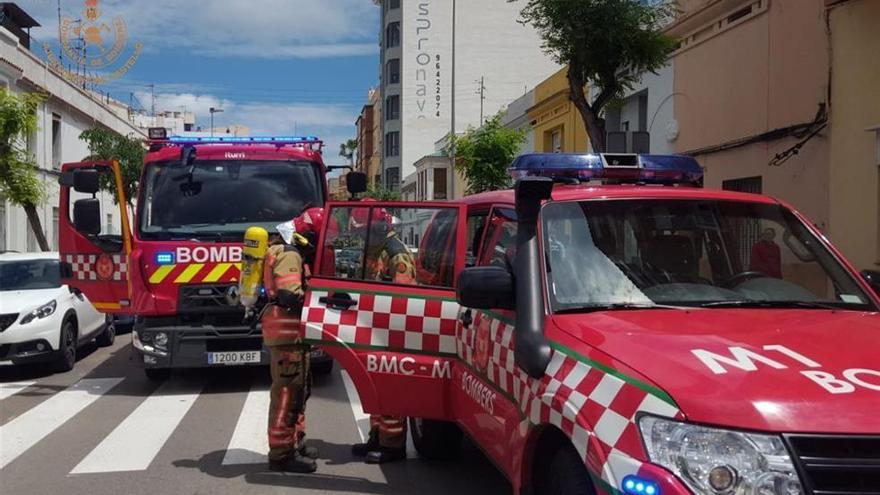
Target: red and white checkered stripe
point(84, 266)
point(595, 408)
point(395, 322)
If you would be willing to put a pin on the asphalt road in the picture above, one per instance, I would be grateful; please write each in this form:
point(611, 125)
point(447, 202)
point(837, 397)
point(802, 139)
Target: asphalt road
point(103, 428)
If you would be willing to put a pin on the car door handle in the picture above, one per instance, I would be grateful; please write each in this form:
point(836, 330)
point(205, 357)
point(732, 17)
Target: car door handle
point(338, 300)
point(466, 318)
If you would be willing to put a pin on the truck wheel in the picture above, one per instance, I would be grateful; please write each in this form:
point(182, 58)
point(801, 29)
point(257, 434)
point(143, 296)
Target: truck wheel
point(107, 336)
point(563, 473)
point(323, 368)
point(435, 440)
point(157, 374)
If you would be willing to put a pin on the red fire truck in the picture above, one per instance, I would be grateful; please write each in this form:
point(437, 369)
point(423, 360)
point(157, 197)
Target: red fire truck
point(608, 327)
point(175, 266)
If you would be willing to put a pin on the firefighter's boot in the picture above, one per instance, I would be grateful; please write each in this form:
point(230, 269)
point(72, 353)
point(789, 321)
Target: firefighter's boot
point(308, 451)
point(383, 455)
point(294, 464)
point(372, 444)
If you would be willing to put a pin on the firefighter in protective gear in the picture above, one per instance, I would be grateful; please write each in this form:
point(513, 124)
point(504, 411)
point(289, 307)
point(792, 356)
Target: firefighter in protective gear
point(283, 271)
point(387, 259)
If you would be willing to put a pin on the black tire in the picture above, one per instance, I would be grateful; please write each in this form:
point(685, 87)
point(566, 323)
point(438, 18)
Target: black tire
point(157, 374)
point(66, 347)
point(563, 473)
point(323, 368)
point(107, 336)
point(435, 440)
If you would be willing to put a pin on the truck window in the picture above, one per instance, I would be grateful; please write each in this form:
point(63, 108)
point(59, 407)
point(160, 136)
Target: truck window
point(688, 252)
point(499, 245)
point(392, 245)
point(219, 197)
point(109, 239)
point(476, 227)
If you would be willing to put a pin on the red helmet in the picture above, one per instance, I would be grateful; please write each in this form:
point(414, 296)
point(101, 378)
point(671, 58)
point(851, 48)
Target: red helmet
point(309, 221)
point(360, 215)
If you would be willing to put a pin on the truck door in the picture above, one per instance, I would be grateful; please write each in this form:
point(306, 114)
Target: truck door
point(94, 254)
point(487, 352)
point(381, 301)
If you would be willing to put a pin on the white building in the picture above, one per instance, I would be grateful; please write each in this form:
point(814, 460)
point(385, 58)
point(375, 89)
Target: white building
point(175, 123)
point(66, 112)
point(645, 122)
point(516, 116)
point(417, 73)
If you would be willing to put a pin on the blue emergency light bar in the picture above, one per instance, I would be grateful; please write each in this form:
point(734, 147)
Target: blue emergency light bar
point(644, 169)
point(280, 140)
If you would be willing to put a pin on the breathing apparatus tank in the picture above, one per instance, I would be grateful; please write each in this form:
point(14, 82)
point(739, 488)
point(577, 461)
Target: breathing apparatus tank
point(250, 285)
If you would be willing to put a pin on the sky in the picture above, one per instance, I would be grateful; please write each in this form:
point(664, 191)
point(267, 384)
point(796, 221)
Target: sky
point(277, 66)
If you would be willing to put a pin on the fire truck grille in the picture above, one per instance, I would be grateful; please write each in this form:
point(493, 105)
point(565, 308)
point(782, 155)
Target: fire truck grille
point(7, 320)
point(206, 297)
point(838, 465)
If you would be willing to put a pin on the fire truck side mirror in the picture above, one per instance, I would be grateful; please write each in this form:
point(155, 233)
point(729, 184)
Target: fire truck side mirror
point(87, 216)
point(485, 287)
point(873, 279)
point(86, 181)
point(356, 182)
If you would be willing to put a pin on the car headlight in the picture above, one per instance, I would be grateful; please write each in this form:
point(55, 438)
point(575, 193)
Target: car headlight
point(715, 461)
point(39, 313)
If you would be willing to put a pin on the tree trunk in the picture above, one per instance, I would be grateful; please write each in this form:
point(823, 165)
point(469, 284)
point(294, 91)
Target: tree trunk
point(34, 220)
point(594, 124)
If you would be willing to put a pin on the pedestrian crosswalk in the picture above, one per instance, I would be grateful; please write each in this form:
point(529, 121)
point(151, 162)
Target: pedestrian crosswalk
point(23, 432)
point(12, 388)
point(135, 443)
point(137, 440)
point(249, 444)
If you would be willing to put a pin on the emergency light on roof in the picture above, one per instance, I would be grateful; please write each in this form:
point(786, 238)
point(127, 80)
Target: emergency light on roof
point(245, 140)
point(646, 169)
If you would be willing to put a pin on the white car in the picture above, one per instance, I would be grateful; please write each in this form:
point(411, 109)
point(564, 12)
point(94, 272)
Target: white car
point(42, 320)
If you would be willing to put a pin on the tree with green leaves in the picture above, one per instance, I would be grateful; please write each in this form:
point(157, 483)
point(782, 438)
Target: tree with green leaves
point(19, 180)
point(380, 193)
point(348, 149)
point(483, 155)
point(105, 144)
point(608, 44)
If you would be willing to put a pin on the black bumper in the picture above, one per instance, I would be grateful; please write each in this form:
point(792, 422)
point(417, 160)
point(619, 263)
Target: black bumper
point(190, 346)
point(27, 352)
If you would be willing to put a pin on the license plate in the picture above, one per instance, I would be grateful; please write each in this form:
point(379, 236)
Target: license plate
point(234, 357)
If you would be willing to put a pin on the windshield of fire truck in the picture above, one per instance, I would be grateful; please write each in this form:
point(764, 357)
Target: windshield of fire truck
point(641, 253)
point(216, 197)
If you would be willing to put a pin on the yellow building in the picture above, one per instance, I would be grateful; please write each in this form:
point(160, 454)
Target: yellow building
point(556, 123)
point(854, 184)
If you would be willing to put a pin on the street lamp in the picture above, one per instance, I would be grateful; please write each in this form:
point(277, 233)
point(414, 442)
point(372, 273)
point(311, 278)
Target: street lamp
point(213, 110)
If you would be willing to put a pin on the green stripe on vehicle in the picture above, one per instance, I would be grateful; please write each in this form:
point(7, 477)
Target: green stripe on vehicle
point(647, 387)
point(379, 348)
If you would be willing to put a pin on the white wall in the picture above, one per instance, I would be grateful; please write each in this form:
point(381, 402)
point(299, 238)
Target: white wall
point(516, 117)
point(660, 108)
point(489, 43)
